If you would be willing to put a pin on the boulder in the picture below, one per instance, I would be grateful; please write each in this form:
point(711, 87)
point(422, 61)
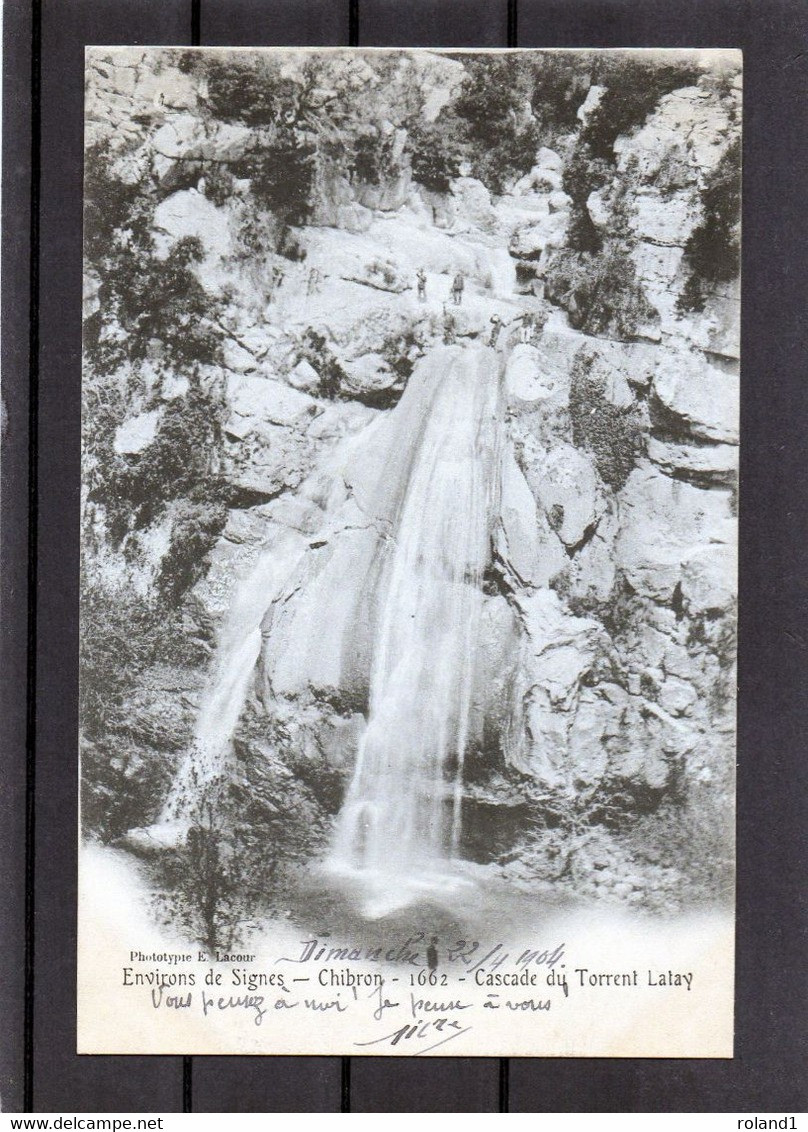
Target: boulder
point(189, 213)
point(599, 212)
point(549, 159)
point(664, 524)
point(524, 541)
point(304, 377)
point(567, 487)
point(546, 232)
point(704, 399)
point(710, 579)
point(559, 202)
point(472, 202)
point(136, 433)
point(265, 400)
point(369, 373)
point(271, 459)
point(236, 358)
point(173, 386)
point(528, 378)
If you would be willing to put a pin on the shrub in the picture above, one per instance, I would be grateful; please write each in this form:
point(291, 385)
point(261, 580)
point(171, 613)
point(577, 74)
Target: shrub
point(123, 784)
point(512, 157)
point(282, 176)
point(194, 531)
point(615, 436)
point(371, 159)
point(712, 254)
point(178, 462)
point(164, 300)
point(558, 90)
point(633, 89)
point(122, 635)
point(600, 292)
point(219, 184)
point(247, 834)
point(215, 883)
point(239, 92)
point(435, 156)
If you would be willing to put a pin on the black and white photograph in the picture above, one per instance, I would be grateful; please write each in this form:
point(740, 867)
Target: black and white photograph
point(410, 401)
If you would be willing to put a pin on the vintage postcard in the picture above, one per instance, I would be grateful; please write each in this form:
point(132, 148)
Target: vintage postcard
point(410, 438)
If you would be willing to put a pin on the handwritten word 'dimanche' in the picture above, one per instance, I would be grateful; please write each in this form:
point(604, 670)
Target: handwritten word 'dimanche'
point(314, 949)
point(466, 953)
point(632, 978)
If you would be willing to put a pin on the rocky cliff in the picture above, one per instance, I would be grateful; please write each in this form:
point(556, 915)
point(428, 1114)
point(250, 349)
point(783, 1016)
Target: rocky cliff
point(252, 319)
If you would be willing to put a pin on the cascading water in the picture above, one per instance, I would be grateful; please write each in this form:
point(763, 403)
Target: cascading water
point(238, 649)
point(434, 500)
point(400, 821)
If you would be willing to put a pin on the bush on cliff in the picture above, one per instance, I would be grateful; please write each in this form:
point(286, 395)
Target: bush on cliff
point(615, 436)
point(179, 463)
point(634, 86)
point(712, 254)
point(282, 176)
point(241, 91)
point(371, 159)
point(435, 156)
point(600, 291)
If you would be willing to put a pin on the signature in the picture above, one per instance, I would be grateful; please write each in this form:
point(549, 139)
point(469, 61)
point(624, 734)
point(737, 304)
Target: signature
point(449, 1028)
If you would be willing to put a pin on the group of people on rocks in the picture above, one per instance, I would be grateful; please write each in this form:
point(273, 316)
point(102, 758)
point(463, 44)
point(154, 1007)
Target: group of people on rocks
point(458, 286)
point(529, 324)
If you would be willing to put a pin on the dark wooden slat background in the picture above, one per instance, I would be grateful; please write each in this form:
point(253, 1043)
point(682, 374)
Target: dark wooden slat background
point(38, 1070)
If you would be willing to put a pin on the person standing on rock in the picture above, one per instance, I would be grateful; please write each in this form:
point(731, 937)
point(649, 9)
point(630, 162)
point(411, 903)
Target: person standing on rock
point(526, 329)
point(313, 287)
point(496, 327)
point(277, 278)
point(421, 281)
point(458, 283)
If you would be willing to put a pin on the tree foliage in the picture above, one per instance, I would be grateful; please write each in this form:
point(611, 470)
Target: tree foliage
point(712, 254)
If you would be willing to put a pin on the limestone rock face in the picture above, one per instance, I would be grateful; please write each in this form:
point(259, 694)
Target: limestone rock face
point(603, 661)
point(531, 376)
point(704, 398)
point(567, 489)
point(664, 525)
point(525, 542)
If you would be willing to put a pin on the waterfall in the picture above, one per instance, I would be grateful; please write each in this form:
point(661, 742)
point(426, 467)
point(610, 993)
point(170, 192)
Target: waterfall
point(400, 822)
point(237, 652)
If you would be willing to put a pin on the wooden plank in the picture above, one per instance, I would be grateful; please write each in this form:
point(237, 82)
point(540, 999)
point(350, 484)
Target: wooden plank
point(62, 1080)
